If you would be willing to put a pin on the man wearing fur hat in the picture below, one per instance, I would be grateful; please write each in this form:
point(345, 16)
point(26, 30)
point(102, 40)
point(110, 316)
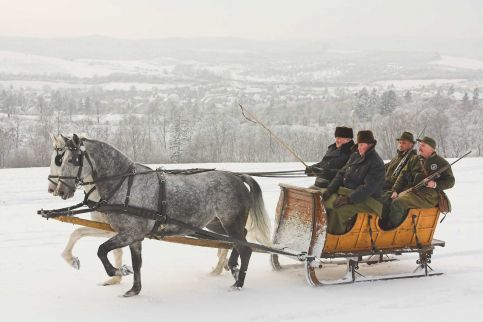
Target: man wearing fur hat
point(394, 167)
point(356, 187)
point(334, 159)
point(418, 168)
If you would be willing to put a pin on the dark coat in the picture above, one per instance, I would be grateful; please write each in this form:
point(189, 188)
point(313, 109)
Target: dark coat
point(364, 175)
point(333, 160)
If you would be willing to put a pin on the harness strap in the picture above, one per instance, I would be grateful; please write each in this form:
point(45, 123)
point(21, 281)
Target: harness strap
point(162, 204)
point(128, 193)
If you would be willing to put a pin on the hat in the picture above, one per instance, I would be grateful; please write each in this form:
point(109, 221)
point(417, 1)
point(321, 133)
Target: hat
point(429, 141)
point(406, 136)
point(365, 136)
point(343, 132)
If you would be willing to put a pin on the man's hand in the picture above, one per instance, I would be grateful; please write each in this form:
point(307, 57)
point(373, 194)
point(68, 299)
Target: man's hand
point(309, 171)
point(394, 195)
point(341, 201)
point(431, 184)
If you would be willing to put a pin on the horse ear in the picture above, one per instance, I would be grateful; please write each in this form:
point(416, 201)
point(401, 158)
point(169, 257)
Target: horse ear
point(76, 140)
point(64, 138)
point(53, 138)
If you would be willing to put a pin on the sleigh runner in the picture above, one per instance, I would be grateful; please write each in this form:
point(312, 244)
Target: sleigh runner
point(300, 224)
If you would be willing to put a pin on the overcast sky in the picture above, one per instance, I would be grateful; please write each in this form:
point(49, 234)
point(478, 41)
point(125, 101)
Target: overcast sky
point(257, 19)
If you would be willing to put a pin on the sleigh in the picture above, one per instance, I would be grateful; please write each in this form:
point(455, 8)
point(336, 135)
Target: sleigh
point(300, 224)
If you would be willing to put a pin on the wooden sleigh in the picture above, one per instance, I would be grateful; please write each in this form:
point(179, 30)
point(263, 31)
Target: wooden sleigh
point(300, 224)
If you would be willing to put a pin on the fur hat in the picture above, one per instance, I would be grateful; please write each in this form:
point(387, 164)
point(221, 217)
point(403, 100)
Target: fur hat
point(406, 136)
point(429, 141)
point(365, 136)
point(343, 132)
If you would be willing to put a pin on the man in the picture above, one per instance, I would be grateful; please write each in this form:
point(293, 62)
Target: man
point(394, 167)
point(356, 187)
point(417, 169)
point(334, 159)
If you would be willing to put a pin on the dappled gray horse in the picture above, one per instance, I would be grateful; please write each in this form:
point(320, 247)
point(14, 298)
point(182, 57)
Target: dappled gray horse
point(58, 144)
point(217, 199)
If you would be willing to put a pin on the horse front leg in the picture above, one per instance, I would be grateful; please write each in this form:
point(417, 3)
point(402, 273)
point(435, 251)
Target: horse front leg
point(74, 238)
point(137, 262)
point(118, 241)
point(118, 263)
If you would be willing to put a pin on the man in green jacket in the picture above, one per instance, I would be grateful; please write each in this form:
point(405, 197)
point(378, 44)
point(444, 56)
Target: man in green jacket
point(357, 187)
point(394, 167)
point(417, 169)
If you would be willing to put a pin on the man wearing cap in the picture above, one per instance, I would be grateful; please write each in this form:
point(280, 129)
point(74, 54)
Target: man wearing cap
point(334, 159)
point(394, 167)
point(356, 187)
point(418, 168)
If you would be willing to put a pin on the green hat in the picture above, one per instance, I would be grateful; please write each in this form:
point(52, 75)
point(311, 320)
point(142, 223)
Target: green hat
point(406, 136)
point(429, 141)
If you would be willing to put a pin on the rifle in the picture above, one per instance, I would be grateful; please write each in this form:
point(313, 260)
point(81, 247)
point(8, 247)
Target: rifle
point(434, 175)
point(405, 159)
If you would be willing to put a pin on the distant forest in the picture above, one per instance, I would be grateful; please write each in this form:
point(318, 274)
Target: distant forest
point(203, 123)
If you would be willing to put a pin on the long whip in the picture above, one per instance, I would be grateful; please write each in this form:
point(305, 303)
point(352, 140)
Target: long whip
point(254, 119)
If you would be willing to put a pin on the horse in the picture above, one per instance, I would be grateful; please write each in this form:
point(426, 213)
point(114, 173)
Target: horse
point(217, 200)
point(73, 261)
point(59, 146)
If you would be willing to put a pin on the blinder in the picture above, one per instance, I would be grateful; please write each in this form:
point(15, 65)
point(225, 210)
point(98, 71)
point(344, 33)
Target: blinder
point(59, 157)
point(76, 160)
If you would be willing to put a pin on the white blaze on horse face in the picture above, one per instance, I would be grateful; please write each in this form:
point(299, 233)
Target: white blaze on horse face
point(54, 169)
point(66, 187)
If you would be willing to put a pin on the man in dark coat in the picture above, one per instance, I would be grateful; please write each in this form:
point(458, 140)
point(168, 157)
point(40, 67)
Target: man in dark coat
point(334, 159)
point(418, 168)
point(357, 187)
point(394, 167)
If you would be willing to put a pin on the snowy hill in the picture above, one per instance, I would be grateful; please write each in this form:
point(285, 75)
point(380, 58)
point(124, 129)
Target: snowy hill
point(37, 285)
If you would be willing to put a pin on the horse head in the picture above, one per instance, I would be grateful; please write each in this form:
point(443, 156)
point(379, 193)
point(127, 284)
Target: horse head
point(58, 145)
point(67, 166)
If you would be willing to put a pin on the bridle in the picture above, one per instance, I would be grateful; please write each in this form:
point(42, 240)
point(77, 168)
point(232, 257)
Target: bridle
point(79, 153)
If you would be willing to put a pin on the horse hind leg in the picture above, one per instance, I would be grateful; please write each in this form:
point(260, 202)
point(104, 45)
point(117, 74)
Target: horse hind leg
point(222, 262)
point(244, 252)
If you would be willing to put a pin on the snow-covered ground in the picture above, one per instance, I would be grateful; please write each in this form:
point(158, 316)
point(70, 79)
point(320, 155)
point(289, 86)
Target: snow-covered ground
point(37, 285)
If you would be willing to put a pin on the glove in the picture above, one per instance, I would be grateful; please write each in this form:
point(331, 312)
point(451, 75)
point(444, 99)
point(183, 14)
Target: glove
point(326, 195)
point(309, 171)
point(341, 201)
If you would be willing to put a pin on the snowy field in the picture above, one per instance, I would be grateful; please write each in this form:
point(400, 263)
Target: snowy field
point(37, 285)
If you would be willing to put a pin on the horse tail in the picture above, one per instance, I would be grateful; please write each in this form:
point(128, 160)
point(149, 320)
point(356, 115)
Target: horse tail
point(258, 222)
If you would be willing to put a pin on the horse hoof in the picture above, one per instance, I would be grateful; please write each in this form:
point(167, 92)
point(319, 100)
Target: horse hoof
point(234, 288)
point(125, 270)
point(112, 281)
point(131, 292)
point(216, 271)
point(75, 263)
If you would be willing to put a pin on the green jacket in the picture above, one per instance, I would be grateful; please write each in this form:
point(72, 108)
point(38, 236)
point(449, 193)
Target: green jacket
point(413, 173)
point(391, 166)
